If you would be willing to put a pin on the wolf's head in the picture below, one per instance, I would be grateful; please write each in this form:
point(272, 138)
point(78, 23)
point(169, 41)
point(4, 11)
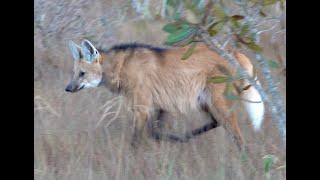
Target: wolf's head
point(87, 69)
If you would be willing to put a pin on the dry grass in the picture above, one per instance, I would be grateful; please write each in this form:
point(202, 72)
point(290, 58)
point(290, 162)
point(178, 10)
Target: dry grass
point(87, 135)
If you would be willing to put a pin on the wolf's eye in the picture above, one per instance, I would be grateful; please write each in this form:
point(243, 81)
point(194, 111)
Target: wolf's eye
point(81, 74)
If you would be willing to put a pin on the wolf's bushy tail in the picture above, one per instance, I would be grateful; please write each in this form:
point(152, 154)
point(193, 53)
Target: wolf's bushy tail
point(251, 97)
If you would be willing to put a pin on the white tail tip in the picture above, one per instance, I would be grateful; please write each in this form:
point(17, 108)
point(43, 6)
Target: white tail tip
point(255, 110)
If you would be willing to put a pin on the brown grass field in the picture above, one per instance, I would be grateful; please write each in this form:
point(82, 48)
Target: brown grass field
point(86, 135)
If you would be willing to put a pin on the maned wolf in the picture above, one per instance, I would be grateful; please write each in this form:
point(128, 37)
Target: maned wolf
point(155, 81)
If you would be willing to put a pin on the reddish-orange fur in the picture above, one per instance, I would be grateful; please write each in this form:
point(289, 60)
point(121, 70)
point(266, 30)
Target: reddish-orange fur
point(152, 80)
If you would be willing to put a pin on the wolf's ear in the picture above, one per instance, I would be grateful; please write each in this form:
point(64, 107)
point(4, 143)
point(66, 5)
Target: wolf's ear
point(75, 50)
point(89, 51)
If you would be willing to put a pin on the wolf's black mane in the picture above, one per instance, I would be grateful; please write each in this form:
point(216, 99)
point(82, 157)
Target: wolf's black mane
point(134, 46)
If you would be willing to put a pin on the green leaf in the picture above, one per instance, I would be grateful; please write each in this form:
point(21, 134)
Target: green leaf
point(170, 28)
point(249, 42)
point(218, 11)
point(189, 52)
point(184, 25)
point(173, 27)
point(216, 27)
point(244, 30)
point(180, 35)
point(267, 163)
point(274, 64)
point(172, 9)
point(237, 17)
point(235, 24)
point(228, 89)
point(176, 16)
point(173, 3)
point(232, 97)
point(252, 45)
point(268, 2)
point(263, 14)
point(228, 93)
point(219, 79)
point(195, 3)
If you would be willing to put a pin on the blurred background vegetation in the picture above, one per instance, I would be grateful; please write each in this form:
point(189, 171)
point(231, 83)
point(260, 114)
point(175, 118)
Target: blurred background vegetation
point(86, 135)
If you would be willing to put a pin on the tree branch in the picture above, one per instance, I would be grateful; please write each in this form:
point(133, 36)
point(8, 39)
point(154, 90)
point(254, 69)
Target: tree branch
point(275, 104)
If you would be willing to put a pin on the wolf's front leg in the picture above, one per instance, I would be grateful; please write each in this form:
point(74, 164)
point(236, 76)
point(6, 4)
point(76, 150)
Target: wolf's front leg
point(142, 107)
point(140, 119)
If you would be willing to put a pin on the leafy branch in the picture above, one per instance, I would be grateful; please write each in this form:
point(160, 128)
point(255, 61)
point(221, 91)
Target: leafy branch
point(241, 29)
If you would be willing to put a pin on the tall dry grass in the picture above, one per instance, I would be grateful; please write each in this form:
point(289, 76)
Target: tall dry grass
point(87, 135)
